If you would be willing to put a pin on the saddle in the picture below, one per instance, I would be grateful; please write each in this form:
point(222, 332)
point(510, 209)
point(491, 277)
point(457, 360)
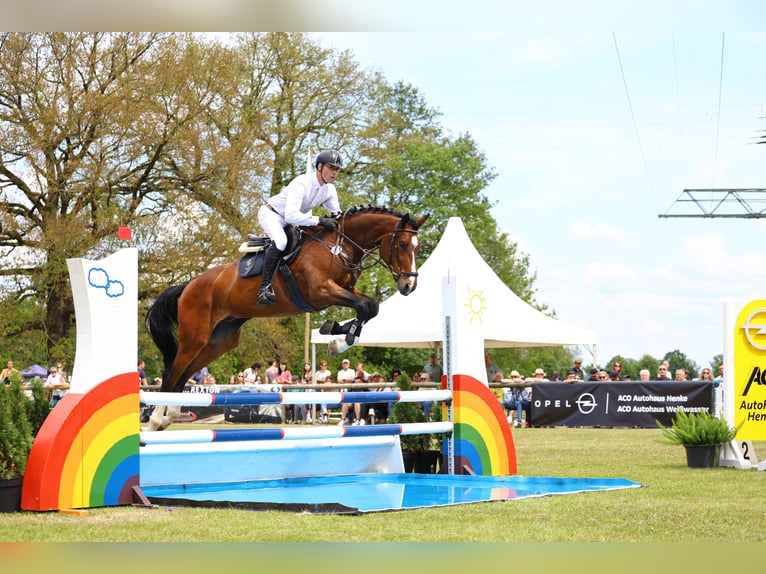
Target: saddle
point(251, 264)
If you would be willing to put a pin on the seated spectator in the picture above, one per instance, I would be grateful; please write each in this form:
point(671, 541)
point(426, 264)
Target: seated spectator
point(555, 378)
point(515, 398)
point(357, 407)
point(643, 375)
point(602, 376)
point(593, 374)
point(614, 376)
point(682, 375)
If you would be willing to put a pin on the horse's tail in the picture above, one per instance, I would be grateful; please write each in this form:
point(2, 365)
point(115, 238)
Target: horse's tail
point(162, 324)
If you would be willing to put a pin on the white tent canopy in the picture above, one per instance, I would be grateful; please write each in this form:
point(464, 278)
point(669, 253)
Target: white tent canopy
point(508, 321)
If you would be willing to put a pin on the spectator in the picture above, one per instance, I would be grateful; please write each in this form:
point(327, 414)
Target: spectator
point(345, 376)
point(379, 410)
point(307, 378)
point(515, 398)
point(662, 373)
point(285, 378)
point(395, 374)
point(718, 391)
point(555, 378)
point(602, 376)
point(706, 374)
point(142, 374)
point(433, 369)
point(199, 376)
point(681, 375)
point(208, 379)
point(571, 376)
point(617, 368)
point(433, 373)
point(346, 407)
point(323, 375)
point(643, 375)
point(51, 384)
point(578, 368)
point(252, 375)
point(614, 376)
point(8, 372)
point(492, 368)
point(593, 374)
point(540, 376)
point(271, 371)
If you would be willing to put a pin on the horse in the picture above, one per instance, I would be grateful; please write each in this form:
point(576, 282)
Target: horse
point(195, 323)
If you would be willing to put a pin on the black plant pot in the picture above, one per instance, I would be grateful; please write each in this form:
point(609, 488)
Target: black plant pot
point(702, 455)
point(427, 462)
point(10, 494)
point(409, 461)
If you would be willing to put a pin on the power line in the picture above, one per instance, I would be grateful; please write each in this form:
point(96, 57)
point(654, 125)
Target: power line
point(633, 117)
point(718, 122)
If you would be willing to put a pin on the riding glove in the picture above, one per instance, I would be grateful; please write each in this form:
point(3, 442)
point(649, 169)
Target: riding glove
point(328, 223)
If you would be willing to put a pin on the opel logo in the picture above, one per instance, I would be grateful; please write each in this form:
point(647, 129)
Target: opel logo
point(586, 402)
point(752, 329)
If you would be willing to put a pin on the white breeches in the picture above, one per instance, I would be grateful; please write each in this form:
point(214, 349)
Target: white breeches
point(274, 226)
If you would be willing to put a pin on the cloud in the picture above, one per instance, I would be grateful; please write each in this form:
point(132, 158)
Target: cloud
point(596, 231)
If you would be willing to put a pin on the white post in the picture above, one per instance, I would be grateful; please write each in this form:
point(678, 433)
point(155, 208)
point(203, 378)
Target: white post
point(105, 294)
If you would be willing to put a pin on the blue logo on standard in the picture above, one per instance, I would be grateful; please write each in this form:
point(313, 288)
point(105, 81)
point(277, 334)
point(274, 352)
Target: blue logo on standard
point(99, 278)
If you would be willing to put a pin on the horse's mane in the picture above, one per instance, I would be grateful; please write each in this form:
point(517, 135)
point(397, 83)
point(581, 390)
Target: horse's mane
point(364, 209)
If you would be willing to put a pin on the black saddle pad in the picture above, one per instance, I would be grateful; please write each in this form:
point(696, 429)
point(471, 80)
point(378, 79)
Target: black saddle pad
point(251, 264)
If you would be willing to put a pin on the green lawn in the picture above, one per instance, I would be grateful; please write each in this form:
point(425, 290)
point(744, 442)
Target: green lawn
point(676, 504)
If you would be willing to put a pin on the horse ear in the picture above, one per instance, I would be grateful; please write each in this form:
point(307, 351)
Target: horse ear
point(423, 219)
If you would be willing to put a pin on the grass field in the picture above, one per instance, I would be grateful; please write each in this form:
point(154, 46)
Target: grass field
point(675, 504)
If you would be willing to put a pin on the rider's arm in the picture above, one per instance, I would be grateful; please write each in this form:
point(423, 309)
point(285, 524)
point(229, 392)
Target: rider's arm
point(332, 204)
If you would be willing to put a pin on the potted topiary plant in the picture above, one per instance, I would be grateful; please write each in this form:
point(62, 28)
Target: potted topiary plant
point(413, 446)
point(701, 434)
point(20, 419)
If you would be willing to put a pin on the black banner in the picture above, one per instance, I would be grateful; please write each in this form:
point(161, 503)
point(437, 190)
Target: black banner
point(618, 404)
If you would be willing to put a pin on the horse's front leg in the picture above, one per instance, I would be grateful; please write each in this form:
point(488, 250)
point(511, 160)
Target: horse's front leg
point(366, 308)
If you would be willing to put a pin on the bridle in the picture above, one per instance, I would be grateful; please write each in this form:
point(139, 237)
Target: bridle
point(370, 257)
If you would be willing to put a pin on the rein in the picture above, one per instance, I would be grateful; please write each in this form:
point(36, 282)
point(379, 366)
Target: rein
point(367, 254)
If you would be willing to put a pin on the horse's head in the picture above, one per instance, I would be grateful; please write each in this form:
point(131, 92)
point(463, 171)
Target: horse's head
point(398, 250)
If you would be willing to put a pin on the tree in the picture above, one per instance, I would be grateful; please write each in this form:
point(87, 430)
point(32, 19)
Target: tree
point(678, 360)
point(96, 131)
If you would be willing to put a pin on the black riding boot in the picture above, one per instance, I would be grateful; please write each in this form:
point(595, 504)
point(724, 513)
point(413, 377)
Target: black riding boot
point(266, 295)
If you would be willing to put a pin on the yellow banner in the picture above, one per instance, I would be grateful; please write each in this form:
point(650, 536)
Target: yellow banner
point(750, 372)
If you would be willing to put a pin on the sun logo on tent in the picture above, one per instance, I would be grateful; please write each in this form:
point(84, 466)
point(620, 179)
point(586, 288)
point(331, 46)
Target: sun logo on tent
point(475, 304)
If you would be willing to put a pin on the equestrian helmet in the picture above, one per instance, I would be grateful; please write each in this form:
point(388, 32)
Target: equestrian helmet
point(329, 157)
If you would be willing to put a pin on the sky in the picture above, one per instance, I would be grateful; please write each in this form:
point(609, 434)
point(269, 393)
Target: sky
point(592, 136)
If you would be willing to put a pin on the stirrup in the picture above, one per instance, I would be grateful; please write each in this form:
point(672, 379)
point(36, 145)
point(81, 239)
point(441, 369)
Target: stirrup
point(266, 295)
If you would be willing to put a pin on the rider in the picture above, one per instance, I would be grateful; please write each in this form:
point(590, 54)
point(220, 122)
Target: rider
point(292, 206)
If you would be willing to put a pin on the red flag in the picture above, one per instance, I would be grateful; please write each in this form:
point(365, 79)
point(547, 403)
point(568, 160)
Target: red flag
point(125, 233)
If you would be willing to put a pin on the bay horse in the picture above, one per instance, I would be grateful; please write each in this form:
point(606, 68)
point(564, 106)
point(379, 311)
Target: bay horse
point(195, 323)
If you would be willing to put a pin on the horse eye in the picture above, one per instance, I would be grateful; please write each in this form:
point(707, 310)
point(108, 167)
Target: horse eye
point(402, 245)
